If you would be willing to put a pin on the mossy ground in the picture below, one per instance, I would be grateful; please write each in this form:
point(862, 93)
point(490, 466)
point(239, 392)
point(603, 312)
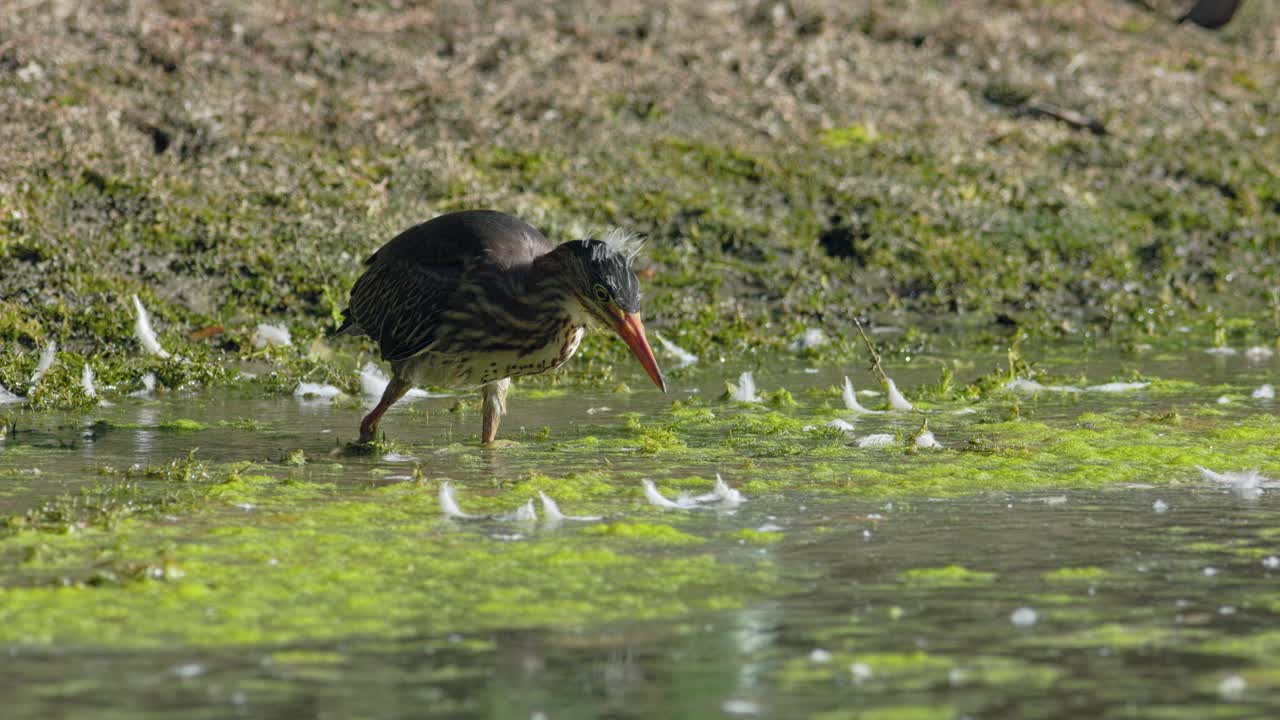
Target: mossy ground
point(804, 166)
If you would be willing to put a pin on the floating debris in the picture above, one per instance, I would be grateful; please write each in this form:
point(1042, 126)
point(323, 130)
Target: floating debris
point(1248, 484)
point(820, 656)
point(396, 457)
point(656, 498)
point(313, 391)
point(148, 386)
point(1258, 353)
point(928, 441)
point(598, 410)
point(896, 401)
point(145, 333)
point(720, 493)
point(1024, 617)
point(1117, 387)
point(740, 707)
point(552, 511)
point(745, 390)
point(1031, 386)
point(267, 335)
point(1160, 506)
point(851, 399)
point(1264, 392)
point(683, 357)
point(8, 398)
point(524, 514)
point(810, 338)
point(1224, 400)
point(878, 440)
point(86, 382)
point(1223, 351)
point(1232, 687)
point(449, 505)
point(839, 424)
point(373, 382)
point(720, 496)
point(1271, 562)
point(964, 411)
point(47, 356)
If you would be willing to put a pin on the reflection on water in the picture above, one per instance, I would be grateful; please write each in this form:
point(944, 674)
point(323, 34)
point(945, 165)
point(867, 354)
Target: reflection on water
point(1140, 609)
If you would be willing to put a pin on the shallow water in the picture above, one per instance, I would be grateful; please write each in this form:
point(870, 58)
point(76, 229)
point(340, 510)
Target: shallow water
point(1146, 593)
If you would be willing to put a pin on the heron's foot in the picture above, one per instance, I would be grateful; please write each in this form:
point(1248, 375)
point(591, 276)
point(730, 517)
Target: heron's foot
point(498, 444)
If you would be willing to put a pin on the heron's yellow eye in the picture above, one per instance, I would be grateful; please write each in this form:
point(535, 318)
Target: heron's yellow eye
point(601, 294)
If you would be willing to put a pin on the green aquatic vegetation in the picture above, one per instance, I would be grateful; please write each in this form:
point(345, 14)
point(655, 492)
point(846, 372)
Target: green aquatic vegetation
point(945, 576)
point(181, 425)
point(1087, 574)
point(385, 561)
point(647, 532)
point(756, 537)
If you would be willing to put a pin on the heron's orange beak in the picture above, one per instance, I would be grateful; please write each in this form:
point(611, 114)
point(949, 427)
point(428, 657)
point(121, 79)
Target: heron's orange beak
point(631, 330)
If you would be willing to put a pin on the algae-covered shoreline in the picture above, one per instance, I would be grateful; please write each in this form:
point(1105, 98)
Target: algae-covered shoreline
point(810, 163)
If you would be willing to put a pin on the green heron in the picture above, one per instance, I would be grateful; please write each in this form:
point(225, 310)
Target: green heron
point(479, 297)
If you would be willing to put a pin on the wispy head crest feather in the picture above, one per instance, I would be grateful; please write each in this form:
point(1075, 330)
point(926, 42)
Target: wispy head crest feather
point(622, 242)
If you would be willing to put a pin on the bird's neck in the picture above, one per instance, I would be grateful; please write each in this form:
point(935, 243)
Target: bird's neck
point(552, 293)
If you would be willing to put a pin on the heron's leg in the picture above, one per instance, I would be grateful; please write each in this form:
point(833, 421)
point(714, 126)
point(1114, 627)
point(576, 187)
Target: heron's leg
point(395, 390)
point(495, 406)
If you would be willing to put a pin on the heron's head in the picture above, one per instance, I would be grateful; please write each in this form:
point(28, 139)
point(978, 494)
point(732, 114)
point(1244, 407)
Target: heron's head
point(605, 286)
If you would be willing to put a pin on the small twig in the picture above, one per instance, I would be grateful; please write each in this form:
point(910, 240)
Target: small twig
point(1073, 119)
point(875, 356)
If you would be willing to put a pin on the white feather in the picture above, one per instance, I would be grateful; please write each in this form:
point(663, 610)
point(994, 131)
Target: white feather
point(308, 390)
point(623, 241)
point(1258, 353)
point(1264, 392)
point(839, 424)
point(449, 505)
point(655, 498)
point(148, 386)
point(879, 440)
point(745, 390)
point(145, 333)
point(810, 338)
point(86, 381)
point(266, 335)
point(721, 493)
point(8, 398)
point(373, 382)
point(524, 514)
point(1117, 387)
point(1247, 484)
point(683, 357)
point(851, 399)
point(1031, 386)
point(896, 401)
point(47, 356)
point(927, 440)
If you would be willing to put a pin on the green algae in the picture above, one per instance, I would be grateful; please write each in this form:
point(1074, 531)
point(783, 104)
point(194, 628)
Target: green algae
point(643, 532)
point(756, 537)
point(408, 574)
point(181, 425)
point(950, 575)
point(1076, 575)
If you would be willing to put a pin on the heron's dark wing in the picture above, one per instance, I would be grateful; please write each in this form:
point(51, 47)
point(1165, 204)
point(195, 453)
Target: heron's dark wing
point(402, 299)
point(469, 235)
